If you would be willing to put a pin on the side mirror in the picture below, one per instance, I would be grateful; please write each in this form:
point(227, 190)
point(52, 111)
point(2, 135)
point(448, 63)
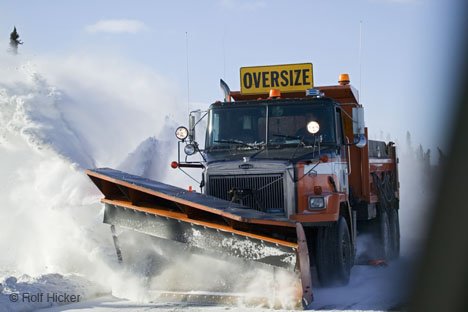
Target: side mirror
point(358, 120)
point(191, 128)
point(359, 127)
point(194, 117)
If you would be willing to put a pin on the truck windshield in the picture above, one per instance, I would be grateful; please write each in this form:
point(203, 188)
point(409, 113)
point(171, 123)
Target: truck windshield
point(235, 131)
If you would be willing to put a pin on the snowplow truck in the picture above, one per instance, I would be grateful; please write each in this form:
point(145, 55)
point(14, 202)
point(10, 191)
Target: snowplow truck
point(288, 179)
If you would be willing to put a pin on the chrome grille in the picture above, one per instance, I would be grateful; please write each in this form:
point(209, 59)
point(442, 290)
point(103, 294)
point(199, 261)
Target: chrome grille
point(267, 190)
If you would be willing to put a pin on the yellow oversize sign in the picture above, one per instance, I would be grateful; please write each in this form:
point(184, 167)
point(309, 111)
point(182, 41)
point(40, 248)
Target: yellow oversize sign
point(261, 79)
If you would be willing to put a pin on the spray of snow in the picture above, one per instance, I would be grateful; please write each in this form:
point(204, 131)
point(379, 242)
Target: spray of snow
point(417, 184)
point(417, 192)
point(169, 266)
point(85, 112)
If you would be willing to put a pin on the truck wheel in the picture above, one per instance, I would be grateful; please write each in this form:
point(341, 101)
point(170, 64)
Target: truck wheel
point(384, 235)
point(394, 223)
point(334, 254)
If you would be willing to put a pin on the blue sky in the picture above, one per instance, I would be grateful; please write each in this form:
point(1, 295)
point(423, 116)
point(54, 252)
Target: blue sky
point(408, 46)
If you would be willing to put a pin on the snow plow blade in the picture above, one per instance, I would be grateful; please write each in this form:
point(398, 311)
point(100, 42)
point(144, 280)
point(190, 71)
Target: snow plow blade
point(204, 223)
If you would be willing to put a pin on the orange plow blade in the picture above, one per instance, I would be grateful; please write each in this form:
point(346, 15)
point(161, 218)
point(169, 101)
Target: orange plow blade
point(204, 224)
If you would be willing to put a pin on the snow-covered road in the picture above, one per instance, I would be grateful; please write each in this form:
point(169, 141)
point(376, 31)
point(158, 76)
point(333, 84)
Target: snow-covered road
point(371, 288)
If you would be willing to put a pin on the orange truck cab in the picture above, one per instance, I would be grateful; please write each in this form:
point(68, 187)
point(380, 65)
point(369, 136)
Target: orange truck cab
point(300, 153)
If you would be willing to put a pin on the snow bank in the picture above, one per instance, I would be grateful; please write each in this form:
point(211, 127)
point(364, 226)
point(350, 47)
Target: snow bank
point(28, 293)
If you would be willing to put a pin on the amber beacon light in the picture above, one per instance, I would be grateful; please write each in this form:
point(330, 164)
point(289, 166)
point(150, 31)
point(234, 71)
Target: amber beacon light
point(343, 79)
point(275, 93)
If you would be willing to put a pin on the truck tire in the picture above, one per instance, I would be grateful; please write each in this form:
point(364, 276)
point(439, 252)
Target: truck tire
point(394, 223)
point(384, 235)
point(334, 254)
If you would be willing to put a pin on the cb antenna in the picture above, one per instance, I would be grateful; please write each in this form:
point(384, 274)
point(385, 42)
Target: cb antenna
point(360, 61)
point(224, 53)
point(188, 76)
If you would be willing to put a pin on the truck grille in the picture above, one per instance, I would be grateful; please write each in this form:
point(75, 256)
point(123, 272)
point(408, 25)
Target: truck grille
point(262, 192)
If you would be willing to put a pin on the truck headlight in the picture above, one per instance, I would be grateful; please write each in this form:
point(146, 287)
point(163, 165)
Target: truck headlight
point(189, 149)
point(316, 203)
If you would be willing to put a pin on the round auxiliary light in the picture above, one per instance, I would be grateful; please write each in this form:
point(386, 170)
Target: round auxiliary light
point(313, 127)
point(181, 133)
point(189, 149)
point(174, 165)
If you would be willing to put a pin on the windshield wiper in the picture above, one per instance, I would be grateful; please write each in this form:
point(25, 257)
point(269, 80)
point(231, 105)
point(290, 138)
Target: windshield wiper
point(286, 136)
point(282, 140)
point(236, 142)
point(303, 143)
